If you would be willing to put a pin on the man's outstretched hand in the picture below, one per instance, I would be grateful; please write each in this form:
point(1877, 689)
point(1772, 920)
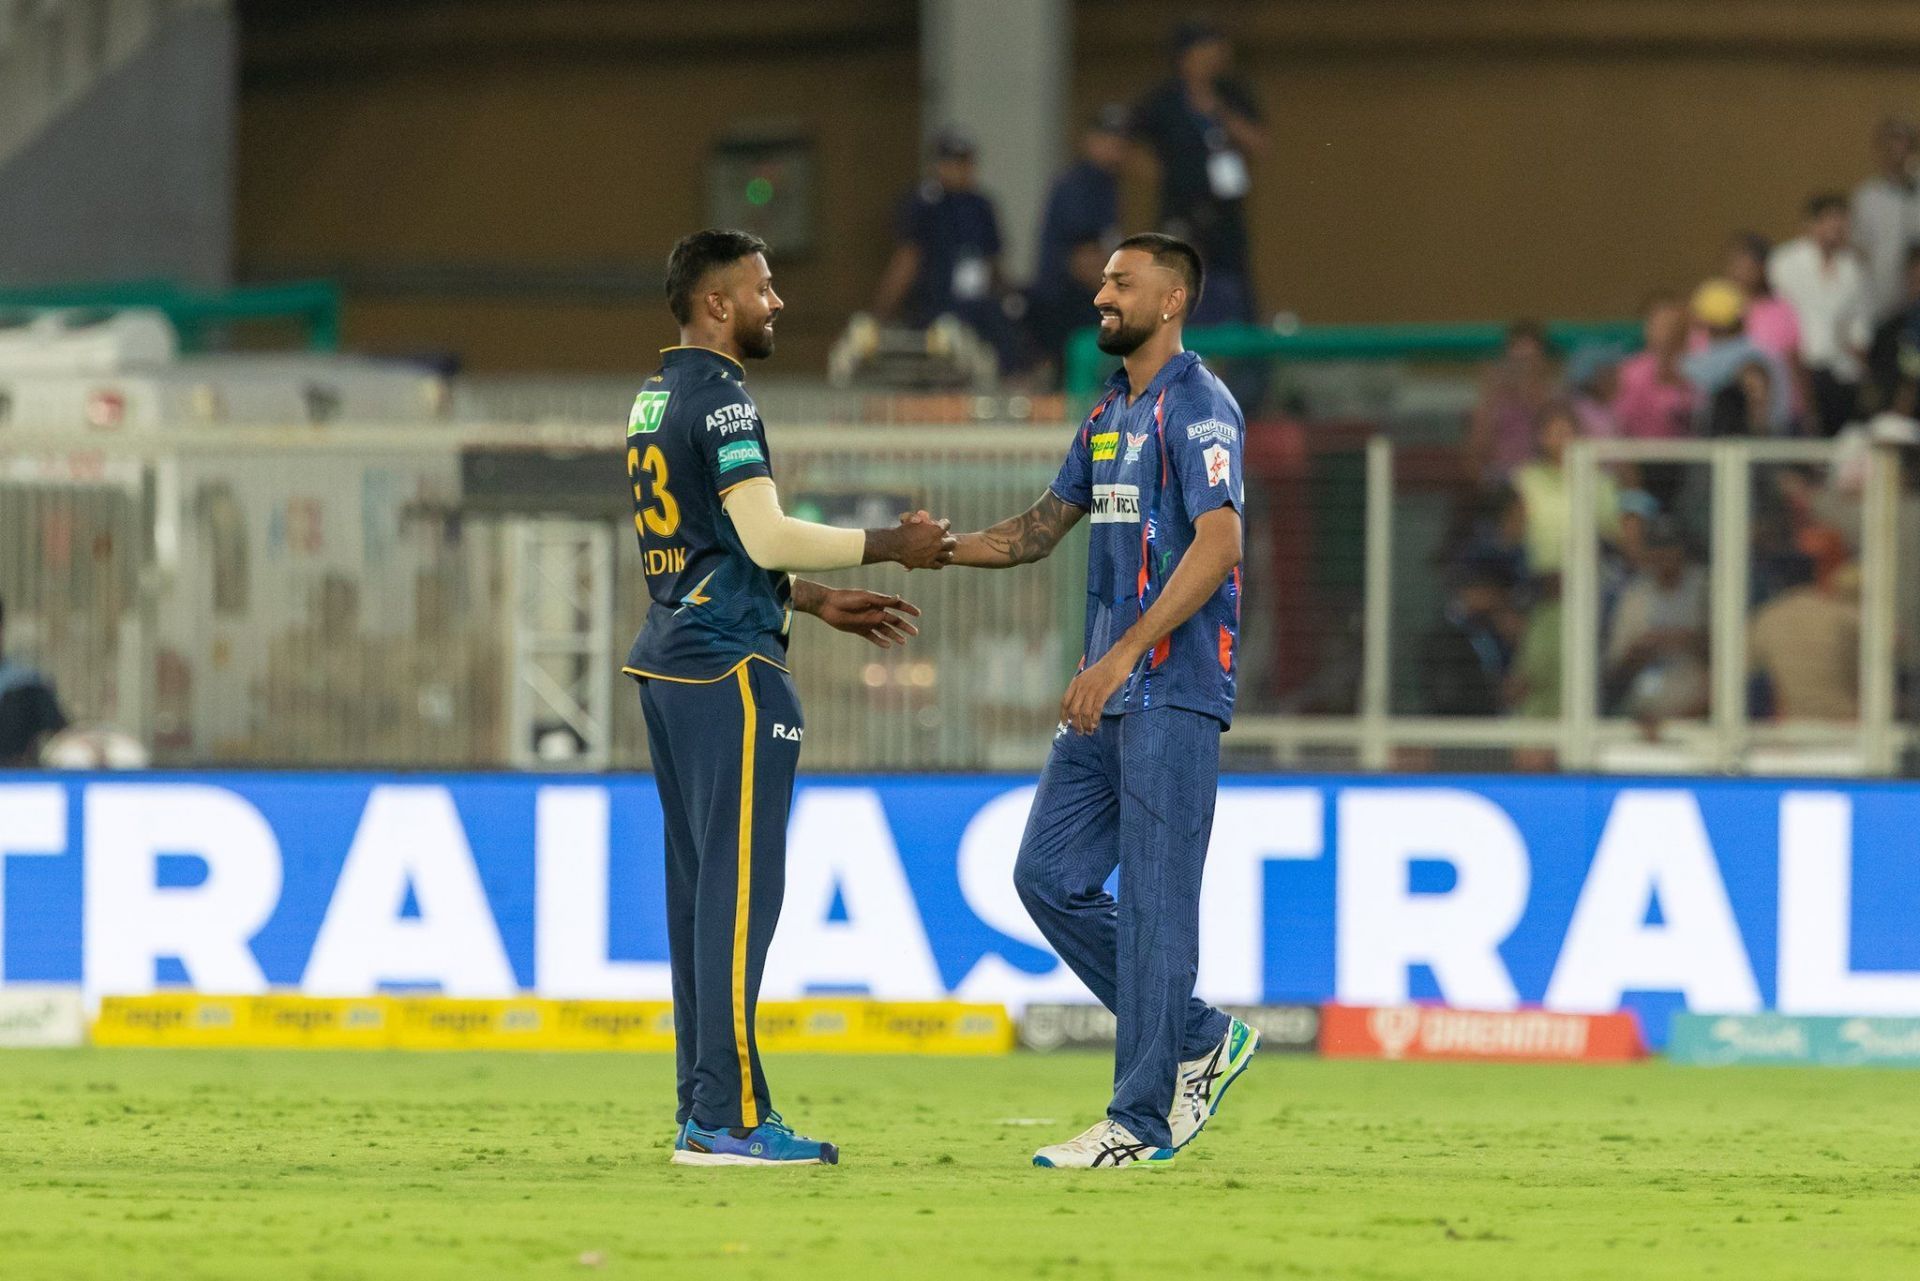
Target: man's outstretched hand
point(913, 543)
point(879, 618)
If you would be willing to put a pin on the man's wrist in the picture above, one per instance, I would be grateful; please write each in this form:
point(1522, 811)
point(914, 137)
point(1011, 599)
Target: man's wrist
point(808, 596)
point(881, 545)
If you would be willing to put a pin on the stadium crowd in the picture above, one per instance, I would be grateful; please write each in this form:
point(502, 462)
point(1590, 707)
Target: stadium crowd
point(1201, 126)
point(1812, 338)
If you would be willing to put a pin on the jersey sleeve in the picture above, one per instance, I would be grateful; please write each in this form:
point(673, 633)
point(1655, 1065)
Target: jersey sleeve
point(1074, 484)
point(1203, 442)
point(728, 436)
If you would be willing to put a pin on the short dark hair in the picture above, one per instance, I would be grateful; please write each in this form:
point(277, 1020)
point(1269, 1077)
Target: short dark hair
point(1825, 202)
point(698, 254)
point(1529, 330)
point(1175, 255)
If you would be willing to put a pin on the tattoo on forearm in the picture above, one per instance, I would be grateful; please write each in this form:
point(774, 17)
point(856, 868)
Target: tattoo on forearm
point(1031, 535)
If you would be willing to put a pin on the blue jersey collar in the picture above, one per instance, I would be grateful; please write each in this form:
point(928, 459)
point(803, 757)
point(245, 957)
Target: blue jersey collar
point(1175, 367)
point(671, 356)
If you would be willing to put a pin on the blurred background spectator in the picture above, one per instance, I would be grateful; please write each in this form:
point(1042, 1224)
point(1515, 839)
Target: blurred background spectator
point(1893, 358)
point(1743, 387)
point(1540, 487)
point(1514, 389)
point(1654, 400)
point(946, 255)
point(1082, 221)
point(1886, 216)
point(1819, 274)
point(1201, 126)
point(1656, 653)
point(1770, 320)
point(1805, 645)
point(1464, 659)
point(30, 711)
point(1592, 382)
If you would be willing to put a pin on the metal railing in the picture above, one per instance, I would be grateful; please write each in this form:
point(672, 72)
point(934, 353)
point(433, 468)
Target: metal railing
point(441, 596)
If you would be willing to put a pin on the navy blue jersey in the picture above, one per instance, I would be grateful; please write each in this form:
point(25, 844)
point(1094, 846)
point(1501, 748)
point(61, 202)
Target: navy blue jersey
point(1144, 472)
point(693, 435)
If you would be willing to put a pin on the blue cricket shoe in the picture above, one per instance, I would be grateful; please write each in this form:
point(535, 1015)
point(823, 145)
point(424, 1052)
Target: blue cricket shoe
point(769, 1143)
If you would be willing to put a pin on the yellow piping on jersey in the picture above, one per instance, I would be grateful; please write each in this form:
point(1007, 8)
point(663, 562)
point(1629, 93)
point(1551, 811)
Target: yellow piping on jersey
point(694, 346)
point(711, 680)
point(742, 901)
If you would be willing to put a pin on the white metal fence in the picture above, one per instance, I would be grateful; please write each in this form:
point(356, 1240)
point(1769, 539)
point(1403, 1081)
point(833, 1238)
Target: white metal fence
point(440, 596)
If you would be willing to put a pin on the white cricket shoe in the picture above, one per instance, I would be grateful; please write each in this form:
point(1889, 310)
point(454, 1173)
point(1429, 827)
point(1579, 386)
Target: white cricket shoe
point(1203, 1082)
point(1107, 1145)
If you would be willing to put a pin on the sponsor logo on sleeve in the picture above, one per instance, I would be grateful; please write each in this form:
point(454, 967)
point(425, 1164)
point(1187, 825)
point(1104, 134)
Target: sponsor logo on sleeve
point(649, 408)
point(728, 419)
point(1219, 464)
point(1116, 504)
point(1213, 429)
point(1105, 445)
point(741, 453)
point(1135, 443)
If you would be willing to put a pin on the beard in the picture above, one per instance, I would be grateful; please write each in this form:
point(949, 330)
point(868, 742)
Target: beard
point(1124, 339)
point(755, 341)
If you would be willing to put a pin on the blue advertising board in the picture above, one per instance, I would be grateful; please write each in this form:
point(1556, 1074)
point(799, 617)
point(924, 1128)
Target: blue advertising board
point(1717, 896)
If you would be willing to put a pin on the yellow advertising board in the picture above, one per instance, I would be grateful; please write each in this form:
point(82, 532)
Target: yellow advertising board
point(829, 1026)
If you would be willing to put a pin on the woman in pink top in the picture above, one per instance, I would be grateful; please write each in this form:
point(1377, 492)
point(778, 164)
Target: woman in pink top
point(1772, 324)
point(1654, 400)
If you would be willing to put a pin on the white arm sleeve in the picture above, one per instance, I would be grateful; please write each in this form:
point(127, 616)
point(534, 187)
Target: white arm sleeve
point(777, 541)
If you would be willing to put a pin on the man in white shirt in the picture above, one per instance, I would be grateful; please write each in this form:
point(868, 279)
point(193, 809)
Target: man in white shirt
point(1821, 276)
point(1886, 215)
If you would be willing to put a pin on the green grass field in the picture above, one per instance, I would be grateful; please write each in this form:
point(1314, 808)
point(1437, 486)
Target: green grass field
point(188, 1163)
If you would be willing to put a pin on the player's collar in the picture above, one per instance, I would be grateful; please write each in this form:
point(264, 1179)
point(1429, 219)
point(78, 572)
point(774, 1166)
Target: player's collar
point(688, 351)
point(1176, 365)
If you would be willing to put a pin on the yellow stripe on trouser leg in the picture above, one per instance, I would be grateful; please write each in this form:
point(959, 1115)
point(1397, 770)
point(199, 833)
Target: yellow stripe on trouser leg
point(743, 884)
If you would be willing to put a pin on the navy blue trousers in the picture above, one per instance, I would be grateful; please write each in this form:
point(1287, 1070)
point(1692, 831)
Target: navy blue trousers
point(1136, 794)
point(724, 756)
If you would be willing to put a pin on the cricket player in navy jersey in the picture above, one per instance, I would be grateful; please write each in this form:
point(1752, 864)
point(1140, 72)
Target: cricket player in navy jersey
point(1135, 764)
point(722, 717)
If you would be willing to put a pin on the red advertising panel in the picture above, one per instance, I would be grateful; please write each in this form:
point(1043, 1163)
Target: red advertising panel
point(1437, 1032)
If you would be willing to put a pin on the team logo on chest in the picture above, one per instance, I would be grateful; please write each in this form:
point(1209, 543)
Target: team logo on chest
point(1134, 445)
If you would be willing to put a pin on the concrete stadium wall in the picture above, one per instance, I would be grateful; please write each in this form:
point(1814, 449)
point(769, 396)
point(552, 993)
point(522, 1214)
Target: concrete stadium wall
point(1473, 160)
point(1489, 158)
point(504, 180)
point(135, 181)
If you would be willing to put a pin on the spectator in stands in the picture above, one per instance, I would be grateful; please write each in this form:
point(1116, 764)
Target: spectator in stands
point(1893, 358)
point(1592, 382)
point(1820, 276)
point(1655, 401)
point(1656, 649)
point(946, 257)
point(1082, 221)
point(1202, 125)
point(30, 711)
point(1533, 681)
point(1771, 322)
point(1741, 384)
point(1886, 217)
point(1514, 389)
point(1805, 642)
point(1545, 498)
point(1464, 659)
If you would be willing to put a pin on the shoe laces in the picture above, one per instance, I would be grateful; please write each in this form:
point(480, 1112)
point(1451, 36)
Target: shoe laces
point(774, 1122)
